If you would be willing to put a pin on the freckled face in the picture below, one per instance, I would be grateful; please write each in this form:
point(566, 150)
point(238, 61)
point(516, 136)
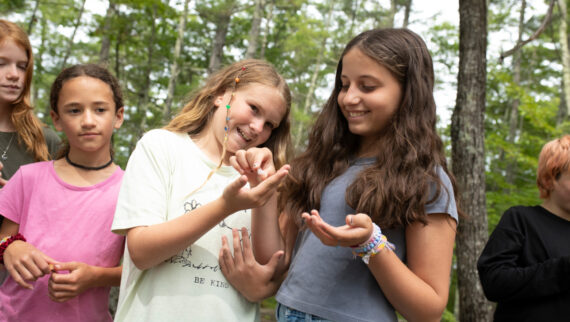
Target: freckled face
point(13, 64)
point(255, 110)
point(369, 97)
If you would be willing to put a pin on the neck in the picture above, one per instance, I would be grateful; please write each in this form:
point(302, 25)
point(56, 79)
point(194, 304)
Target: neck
point(88, 167)
point(551, 206)
point(6, 124)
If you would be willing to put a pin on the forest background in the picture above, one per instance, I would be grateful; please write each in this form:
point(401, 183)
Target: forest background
point(162, 50)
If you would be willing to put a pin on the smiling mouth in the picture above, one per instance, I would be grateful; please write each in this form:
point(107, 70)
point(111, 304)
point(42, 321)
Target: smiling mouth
point(245, 137)
point(355, 114)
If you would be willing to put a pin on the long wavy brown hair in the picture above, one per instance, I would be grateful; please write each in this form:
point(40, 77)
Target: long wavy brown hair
point(199, 110)
point(395, 189)
point(28, 127)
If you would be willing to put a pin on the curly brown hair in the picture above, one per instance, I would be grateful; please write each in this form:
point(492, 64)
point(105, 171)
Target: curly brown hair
point(395, 189)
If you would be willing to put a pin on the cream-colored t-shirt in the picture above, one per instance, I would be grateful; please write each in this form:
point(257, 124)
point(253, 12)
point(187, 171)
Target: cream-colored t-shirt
point(163, 169)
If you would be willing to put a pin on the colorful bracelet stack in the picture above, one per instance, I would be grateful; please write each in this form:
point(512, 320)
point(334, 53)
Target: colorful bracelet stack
point(376, 243)
point(6, 241)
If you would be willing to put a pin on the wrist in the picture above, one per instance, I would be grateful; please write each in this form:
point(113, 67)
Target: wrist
point(374, 245)
point(6, 242)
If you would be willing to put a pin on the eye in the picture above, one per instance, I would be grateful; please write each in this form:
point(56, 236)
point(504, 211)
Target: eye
point(73, 111)
point(100, 109)
point(22, 66)
point(344, 87)
point(367, 88)
point(269, 125)
point(254, 108)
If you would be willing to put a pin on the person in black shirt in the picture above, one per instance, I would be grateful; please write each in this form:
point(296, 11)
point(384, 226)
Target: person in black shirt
point(525, 266)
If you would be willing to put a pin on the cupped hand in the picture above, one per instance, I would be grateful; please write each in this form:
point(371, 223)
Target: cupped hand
point(26, 263)
point(253, 280)
point(357, 229)
point(65, 286)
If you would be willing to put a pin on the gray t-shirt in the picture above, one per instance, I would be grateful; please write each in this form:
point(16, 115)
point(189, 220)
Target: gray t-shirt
point(327, 281)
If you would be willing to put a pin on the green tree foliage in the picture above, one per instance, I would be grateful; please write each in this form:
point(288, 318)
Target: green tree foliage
point(293, 34)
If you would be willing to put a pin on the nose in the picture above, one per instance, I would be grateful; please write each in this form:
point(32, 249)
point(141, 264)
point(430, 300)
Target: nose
point(351, 97)
point(13, 72)
point(257, 125)
point(87, 119)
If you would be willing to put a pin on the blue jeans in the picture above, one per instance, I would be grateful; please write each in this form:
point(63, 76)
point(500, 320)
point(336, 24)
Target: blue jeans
point(286, 314)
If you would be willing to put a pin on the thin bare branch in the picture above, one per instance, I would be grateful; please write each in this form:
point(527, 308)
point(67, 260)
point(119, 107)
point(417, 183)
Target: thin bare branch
point(537, 33)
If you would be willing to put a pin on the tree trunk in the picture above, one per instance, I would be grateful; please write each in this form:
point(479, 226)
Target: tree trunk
point(255, 29)
point(310, 92)
point(174, 69)
point(71, 39)
point(468, 164)
point(222, 22)
point(565, 51)
point(106, 32)
point(408, 9)
point(33, 18)
point(144, 96)
point(514, 111)
point(268, 20)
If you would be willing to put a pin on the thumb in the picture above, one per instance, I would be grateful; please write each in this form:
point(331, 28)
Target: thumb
point(237, 184)
point(69, 266)
point(274, 260)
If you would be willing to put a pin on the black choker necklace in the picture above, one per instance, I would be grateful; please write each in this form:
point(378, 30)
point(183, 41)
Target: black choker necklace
point(84, 167)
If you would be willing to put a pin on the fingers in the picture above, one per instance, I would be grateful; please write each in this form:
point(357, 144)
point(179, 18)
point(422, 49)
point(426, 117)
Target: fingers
point(238, 255)
point(226, 258)
point(357, 230)
point(237, 184)
point(253, 160)
point(246, 249)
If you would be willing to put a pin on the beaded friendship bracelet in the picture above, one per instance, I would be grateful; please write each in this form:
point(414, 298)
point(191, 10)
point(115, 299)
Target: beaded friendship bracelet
point(6, 241)
point(375, 244)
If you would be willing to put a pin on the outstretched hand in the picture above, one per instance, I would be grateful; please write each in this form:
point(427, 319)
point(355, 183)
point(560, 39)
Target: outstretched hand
point(253, 280)
point(26, 263)
point(238, 197)
point(357, 230)
point(65, 286)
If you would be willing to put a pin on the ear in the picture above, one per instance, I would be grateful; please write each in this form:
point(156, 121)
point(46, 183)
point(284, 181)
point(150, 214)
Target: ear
point(219, 100)
point(119, 117)
point(56, 120)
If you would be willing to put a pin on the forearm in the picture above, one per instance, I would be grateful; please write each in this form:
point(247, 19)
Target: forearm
point(509, 282)
point(151, 245)
point(106, 276)
point(265, 233)
point(410, 295)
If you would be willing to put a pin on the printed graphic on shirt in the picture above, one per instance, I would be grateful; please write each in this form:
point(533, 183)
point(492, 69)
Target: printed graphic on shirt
point(184, 258)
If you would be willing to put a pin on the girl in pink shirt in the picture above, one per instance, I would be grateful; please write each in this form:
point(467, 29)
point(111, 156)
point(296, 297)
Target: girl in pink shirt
point(56, 242)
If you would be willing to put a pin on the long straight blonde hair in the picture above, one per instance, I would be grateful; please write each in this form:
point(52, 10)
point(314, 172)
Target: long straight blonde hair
point(199, 110)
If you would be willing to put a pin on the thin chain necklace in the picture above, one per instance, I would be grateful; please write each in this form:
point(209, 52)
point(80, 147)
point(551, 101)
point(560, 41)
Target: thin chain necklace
point(84, 167)
point(4, 156)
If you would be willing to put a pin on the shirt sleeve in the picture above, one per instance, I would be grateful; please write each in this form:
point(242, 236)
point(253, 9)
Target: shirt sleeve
point(504, 279)
point(12, 198)
point(144, 193)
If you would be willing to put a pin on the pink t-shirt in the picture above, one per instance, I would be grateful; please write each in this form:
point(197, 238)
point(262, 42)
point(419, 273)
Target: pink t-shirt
point(67, 223)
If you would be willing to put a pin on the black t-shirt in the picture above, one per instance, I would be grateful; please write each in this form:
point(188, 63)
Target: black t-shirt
point(525, 266)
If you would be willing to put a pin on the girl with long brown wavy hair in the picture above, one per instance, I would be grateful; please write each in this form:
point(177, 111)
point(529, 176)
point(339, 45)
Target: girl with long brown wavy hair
point(180, 195)
point(372, 184)
point(23, 137)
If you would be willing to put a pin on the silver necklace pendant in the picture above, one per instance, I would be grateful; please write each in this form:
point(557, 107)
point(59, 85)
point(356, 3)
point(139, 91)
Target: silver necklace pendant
point(4, 155)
